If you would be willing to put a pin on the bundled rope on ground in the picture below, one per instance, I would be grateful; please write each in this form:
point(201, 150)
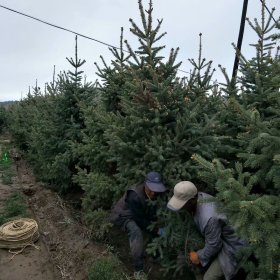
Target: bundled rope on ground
point(19, 233)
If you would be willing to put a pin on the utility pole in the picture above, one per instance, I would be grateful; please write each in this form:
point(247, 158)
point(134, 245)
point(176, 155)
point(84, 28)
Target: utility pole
point(240, 38)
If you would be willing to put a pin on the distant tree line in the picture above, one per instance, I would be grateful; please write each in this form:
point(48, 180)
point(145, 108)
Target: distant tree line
point(6, 103)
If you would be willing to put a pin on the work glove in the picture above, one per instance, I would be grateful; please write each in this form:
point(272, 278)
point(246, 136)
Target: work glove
point(194, 257)
point(160, 232)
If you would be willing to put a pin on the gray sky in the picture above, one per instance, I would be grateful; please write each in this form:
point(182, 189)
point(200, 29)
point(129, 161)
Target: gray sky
point(30, 49)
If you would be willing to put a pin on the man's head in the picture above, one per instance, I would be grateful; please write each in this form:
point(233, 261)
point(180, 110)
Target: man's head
point(154, 184)
point(185, 196)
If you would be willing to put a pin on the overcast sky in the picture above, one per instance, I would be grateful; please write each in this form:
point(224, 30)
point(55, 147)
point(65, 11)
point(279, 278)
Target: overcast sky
point(30, 49)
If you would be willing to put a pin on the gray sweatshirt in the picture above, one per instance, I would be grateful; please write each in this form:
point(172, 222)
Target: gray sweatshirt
point(220, 238)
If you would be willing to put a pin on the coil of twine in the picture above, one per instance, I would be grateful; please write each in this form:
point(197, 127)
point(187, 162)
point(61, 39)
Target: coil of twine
point(19, 233)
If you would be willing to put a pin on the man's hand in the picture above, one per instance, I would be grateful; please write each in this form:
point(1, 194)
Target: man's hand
point(194, 257)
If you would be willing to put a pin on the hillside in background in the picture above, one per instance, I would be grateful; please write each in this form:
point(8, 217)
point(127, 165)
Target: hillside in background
point(6, 103)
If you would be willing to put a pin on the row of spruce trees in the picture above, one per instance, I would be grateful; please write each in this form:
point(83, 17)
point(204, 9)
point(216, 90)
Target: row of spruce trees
point(102, 137)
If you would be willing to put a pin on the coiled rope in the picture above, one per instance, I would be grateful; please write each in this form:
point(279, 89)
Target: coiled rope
point(19, 233)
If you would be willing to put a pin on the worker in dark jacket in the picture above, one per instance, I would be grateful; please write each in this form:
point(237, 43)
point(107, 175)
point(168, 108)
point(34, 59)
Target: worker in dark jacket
point(221, 253)
point(133, 214)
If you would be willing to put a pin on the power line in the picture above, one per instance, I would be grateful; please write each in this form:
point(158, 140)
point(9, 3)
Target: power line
point(68, 30)
point(76, 33)
point(268, 11)
point(59, 27)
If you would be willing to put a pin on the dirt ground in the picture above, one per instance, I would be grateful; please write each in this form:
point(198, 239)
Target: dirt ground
point(63, 251)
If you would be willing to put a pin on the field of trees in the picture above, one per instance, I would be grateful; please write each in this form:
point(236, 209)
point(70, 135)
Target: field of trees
point(98, 138)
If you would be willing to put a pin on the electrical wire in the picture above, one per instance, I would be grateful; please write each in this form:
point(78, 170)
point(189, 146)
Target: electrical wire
point(59, 27)
point(268, 11)
point(71, 31)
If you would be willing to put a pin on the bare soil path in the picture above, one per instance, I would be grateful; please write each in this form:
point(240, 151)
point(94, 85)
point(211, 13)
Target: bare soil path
point(64, 248)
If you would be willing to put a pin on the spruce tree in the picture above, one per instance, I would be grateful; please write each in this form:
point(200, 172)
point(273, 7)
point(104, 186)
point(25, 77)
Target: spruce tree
point(96, 168)
point(158, 128)
point(161, 122)
point(201, 132)
point(260, 82)
point(249, 191)
point(48, 125)
point(69, 122)
point(254, 216)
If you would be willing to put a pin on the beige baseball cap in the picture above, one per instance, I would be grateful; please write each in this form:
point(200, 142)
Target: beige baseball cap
point(183, 192)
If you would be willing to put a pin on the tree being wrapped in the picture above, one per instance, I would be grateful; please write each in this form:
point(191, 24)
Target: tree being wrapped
point(159, 124)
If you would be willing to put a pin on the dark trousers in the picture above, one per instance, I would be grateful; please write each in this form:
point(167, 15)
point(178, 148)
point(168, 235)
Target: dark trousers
point(136, 244)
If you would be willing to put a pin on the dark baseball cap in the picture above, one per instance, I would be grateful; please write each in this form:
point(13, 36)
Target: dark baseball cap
point(153, 181)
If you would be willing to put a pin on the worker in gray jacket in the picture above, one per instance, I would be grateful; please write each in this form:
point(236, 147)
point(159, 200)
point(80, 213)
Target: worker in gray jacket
point(221, 253)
